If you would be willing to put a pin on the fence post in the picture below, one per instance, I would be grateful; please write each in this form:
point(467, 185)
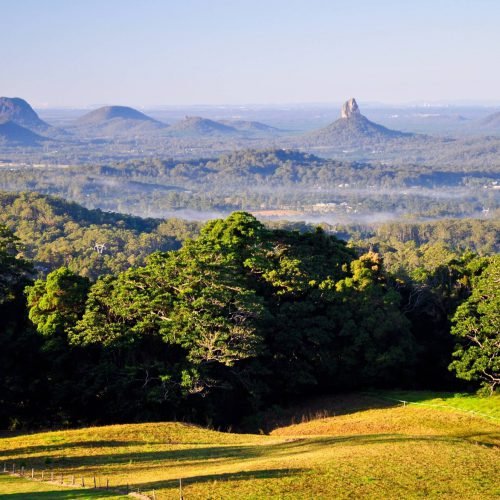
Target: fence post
point(32, 473)
point(107, 483)
point(95, 484)
point(83, 482)
point(61, 478)
point(13, 468)
point(180, 489)
point(72, 480)
point(52, 475)
point(42, 474)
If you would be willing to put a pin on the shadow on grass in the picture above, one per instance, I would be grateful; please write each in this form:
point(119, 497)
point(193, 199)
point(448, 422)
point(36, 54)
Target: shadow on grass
point(50, 448)
point(315, 408)
point(201, 455)
point(337, 405)
point(75, 493)
point(68, 494)
point(227, 476)
point(19, 485)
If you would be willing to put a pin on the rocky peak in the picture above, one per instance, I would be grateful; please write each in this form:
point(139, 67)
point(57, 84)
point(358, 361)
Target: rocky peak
point(349, 108)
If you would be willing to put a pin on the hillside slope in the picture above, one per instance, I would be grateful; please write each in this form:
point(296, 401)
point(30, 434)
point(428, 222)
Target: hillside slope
point(109, 121)
point(399, 452)
point(196, 126)
point(491, 122)
point(55, 232)
point(14, 135)
point(20, 112)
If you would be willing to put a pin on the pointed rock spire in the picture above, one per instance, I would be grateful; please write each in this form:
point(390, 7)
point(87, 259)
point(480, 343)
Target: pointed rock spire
point(349, 108)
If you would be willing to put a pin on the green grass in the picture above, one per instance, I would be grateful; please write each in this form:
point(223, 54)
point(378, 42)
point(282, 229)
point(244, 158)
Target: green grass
point(371, 451)
point(482, 406)
point(15, 488)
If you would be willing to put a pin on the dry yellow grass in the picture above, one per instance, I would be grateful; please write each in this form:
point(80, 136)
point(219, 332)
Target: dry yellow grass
point(378, 453)
point(407, 421)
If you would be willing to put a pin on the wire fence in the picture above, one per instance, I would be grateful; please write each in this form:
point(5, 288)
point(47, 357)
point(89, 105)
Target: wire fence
point(447, 407)
point(81, 480)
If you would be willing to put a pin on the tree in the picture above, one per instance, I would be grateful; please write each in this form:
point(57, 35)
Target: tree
point(19, 347)
point(196, 298)
point(14, 272)
point(477, 323)
point(374, 342)
point(55, 305)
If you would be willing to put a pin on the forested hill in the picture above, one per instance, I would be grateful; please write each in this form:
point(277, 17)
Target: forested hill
point(293, 168)
point(54, 211)
point(55, 232)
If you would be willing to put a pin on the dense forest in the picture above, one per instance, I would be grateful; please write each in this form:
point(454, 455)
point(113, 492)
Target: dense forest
point(214, 324)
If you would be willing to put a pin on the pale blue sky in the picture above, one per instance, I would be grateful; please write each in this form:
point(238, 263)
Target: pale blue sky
point(153, 52)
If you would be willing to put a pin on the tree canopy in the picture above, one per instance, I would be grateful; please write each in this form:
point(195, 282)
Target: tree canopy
point(476, 323)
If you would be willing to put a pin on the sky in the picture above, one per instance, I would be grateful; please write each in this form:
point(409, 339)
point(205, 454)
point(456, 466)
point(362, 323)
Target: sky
point(146, 53)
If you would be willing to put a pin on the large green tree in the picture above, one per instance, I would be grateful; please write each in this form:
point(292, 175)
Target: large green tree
point(187, 319)
point(57, 303)
point(477, 324)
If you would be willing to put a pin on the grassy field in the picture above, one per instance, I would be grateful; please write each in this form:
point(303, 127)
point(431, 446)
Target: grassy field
point(354, 446)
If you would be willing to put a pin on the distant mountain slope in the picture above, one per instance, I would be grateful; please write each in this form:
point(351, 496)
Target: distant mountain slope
point(198, 126)
point(12, 134)
point(107, 113)
point(352, 128)
point(491, 121)
point(116, 120)
point(18, 111)
point(251, 126)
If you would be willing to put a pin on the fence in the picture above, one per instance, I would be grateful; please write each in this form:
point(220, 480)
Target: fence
point(447, 407)
point(87, 481)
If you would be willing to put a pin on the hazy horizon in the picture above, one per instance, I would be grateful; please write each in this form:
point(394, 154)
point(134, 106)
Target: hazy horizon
point(276, 105)
point(153, 54)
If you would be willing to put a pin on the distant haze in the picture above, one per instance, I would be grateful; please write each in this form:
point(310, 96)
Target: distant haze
point(144, 54)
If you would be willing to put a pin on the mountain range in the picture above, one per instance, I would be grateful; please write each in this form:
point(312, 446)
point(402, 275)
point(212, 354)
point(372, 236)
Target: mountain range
point(351, 133)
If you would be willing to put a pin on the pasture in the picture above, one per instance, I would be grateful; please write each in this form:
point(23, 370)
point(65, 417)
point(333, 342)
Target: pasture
point(353, 446)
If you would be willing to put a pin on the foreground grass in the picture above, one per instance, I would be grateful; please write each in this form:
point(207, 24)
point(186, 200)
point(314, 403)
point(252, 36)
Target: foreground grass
point(385, 452)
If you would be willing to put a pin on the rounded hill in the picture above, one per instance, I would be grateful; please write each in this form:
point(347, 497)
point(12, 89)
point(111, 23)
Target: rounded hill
point(198, 126)
point(107, 113)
